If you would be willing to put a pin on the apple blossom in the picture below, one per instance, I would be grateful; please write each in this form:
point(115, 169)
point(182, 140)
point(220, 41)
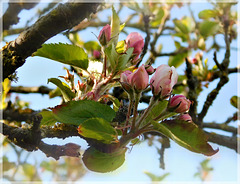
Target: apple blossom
point(179, 104)
point(105, 35)
point(163, 80)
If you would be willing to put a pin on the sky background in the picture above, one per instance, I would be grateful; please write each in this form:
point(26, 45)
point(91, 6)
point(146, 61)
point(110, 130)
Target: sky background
point(180, 163)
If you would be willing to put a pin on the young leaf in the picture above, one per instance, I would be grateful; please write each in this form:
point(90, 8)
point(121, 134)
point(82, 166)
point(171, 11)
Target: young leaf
point(206, 14)
point(208, 28)
point(64, 53)
point(186, 134)
point(76, 112)
point(91, 45)
point(118, 61)
point(115, 25)
point(68, 95)
point(99, 129)
point(235, 101)
point(177, 60)
point(47, 118)
point(157, 110)
point(181, 26)
point(101, 162)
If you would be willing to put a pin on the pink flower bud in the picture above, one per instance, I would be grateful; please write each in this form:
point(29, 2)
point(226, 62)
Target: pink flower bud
point(124, 80)
point(179, 104)
point(194, 61)
point(96, 54)
point(105, 35)
point(150, 70)
point(163, 80)
point(139, 79)
point(136, 41)
point(185, 117)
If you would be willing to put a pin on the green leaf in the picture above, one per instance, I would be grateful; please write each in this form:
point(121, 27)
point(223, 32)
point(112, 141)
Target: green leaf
point(115, 27)
point(158, 17)
point(201, 43)
point(206, 14)
point(48, 118)
point(154, 177)
point(186, 134)
point(68, 95)
point(64, 53)
point(99, 129)
point(101, 162)
point(76, 112)
point(91, 45)
point(235, 100)
point(208, 28)
point(54, 93)
point(120, 48)
point(118, 61)
point(157, 110)
point(182, 27)
point(177, 60)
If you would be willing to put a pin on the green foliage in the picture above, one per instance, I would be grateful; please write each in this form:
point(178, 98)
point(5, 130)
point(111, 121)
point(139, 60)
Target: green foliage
point(5, 85)
point(67, 94)
point(235, 100)
point(118, 61)
point(186, 134)
point(101, 162)
point(154, 177)
point(177, 60)
point(206, 14)
point(91, 45)
point(208, 28)
point(48, 118)
point(64, 53)
point(115, 25)
point(158, 17)
point(99, 129)
point(76, 112)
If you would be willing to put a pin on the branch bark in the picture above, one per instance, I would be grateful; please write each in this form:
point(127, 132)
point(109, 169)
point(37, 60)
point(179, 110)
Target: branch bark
point(26, 90)
point(64, 17)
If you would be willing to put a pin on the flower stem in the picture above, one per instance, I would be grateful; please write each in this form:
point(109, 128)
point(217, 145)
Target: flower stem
point(128, 114)
point(146, 112)
point(135, 113)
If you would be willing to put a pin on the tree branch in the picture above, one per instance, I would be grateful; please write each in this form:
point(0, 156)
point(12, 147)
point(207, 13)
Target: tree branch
point(64, 17)
point(10, 17)
point(26, 90)
point(223, 127)
point(229, 142)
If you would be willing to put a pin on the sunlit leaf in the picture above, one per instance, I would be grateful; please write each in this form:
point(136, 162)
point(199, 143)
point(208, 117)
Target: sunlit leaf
point(101, 162)
point(177, 60)
point(206, 14)
point(6, 165)
point(64, 53)
point(99, 129)
point(186, 134)
point(208, 28)
point(235, 100)
point(64, 88)
point(115, 25)
point(154, 177)
point(181, 26)
point(76, 112)
point(47, 118)
point(158, 17)
point(92, 45)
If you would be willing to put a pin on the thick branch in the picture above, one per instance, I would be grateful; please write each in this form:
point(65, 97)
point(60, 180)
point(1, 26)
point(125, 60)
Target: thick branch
point(11, 114)
point(61, 18)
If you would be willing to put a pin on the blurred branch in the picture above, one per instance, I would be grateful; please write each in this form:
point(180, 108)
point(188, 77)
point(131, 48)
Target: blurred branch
point(10, 17)
point(63, 17)
point(229, 142)
point(193, 83)
point(26, 90)
point(220, 127)
point(18, 115)
point(223, 67)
